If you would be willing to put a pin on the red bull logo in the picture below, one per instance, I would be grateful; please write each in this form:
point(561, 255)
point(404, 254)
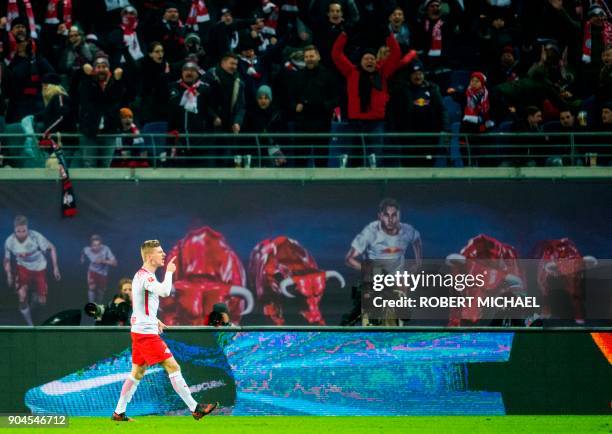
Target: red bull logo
point(208, 271)
point(280, 268)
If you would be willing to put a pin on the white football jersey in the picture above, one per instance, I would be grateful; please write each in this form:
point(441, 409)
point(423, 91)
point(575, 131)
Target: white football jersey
point(31, 253)
point(146, 290)
point(377, 244)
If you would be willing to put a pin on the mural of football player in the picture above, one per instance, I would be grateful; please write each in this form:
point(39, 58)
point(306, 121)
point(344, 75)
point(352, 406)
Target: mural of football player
point(100, 258)
point(386, 239)
point(25, 265)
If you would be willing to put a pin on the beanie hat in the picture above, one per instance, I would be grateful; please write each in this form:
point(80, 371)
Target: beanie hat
point(480, 76)
point(126, 113)
point(264, 90)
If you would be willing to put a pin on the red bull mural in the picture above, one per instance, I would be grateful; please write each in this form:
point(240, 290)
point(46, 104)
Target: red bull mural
point(281, 269)
point(561, 266)
point(208, 272)
point(498, 262)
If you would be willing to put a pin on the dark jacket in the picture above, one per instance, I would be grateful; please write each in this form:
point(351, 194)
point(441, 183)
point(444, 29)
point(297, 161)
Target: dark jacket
point(57, 116)
point(185, 121)
point(317, 91)
point(24, 90)
point(96, 103)
point(153, 90)
point(221, 36)
point(172, 37)
point(226, 97)
point(417, 108)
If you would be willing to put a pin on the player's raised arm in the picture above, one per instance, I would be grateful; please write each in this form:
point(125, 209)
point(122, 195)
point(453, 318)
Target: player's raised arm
point(162, 289)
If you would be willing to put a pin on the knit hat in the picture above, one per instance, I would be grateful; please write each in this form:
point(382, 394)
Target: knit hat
point(414, 66)
point(596, 11)
point(101, 57)
point(51, 78)
point(129, 9)
point(190, 64)
point(264, 90)
point(225, 11)
point(23, 21)
point(480, 76)
point(192, 36)
point(429, 2)
point(170, 5)
point(126, 113)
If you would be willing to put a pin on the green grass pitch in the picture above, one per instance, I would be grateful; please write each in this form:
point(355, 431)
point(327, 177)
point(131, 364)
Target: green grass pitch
point(336, 425)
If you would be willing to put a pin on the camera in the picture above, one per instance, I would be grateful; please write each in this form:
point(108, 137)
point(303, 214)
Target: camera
point(116, 312)
point(219, 316)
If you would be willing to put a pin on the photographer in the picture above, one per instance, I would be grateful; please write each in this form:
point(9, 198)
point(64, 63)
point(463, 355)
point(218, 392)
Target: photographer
point(118, 311)
point(219, 317)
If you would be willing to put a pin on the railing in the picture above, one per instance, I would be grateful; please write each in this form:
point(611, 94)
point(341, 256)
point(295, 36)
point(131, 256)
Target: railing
point(336, 150)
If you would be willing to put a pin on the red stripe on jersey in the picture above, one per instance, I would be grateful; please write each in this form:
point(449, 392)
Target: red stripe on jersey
point(146, 302)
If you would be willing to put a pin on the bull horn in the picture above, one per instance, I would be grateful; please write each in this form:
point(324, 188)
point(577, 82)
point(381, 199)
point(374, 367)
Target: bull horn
point(513, 281)
point(334, 274)
point(590, 262)
point(551, 267)
point(455, 259)
point(287, 281)
point(239, 291)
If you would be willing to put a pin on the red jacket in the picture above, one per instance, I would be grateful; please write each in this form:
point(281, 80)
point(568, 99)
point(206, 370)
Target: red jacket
point(351, 73)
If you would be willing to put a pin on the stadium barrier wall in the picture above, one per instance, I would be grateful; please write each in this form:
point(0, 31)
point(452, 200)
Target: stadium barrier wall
point(323, 210)
point(363, 371)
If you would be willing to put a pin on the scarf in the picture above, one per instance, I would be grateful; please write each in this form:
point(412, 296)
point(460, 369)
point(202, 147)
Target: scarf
point(130, 38)
point(189, 100)
point(12, 12)
point(477, 107)
point(436, 38)
point(69, 208)
point(52, 13)
point(606, 36)
point(271, 20)
point(197, 14)
point(251, 71)
point(368, 81)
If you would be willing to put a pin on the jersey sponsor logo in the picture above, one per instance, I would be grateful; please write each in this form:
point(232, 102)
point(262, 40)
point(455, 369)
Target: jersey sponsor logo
point(392, 250)
point(151, 279)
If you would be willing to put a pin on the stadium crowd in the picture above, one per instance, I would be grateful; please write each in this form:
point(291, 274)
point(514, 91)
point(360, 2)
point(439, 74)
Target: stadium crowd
point(185, 67)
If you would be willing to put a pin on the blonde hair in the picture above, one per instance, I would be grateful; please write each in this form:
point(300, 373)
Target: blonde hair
point(50, 90)
point(147, 246)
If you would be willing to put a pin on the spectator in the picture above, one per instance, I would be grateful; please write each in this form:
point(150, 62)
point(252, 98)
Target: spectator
point(434, 34)
point(528, 150)
point(604, 88)
point(155, 77)
point(129, 148)
point(367, 91)
point(416, 106)
point(171, 33)
point(320, 8)
point(195, 51)
point(285, 87)
point(75, 54)
point(227, 101)
point(254, 70)
point(57, 114)
point(316, 97)
point(264, 118)
point(507, 69)
point(223, 36)
point(477, 117)
point(400, 29)
point(25, 69)
point(326, 31)
point(561, 150)
point(190, 106)
point(55, 27)
point(101, 94)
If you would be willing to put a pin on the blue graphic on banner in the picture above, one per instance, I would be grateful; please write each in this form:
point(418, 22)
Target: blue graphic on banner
point(297, 373)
